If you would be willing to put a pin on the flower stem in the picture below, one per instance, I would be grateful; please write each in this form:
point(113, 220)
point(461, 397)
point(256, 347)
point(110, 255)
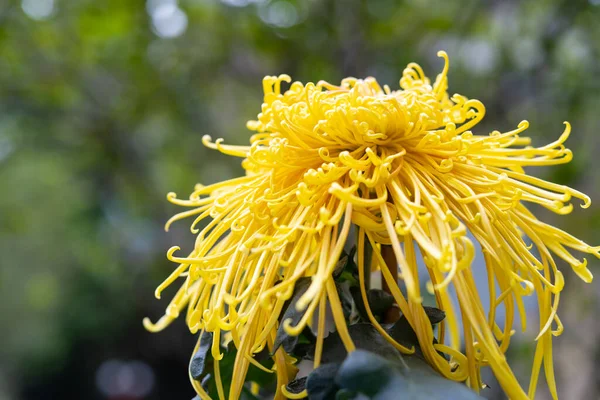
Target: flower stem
point(387, 252)
point(368, 254)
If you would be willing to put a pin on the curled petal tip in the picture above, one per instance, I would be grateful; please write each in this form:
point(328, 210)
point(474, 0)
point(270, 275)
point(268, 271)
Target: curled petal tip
point(171, 251)
point(148, 325)
point(289, 329)
point(291, 395)
point(587, 201)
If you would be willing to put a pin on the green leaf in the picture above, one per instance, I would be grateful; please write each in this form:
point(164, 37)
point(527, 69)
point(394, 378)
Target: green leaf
point(199, 360)
point(347, 276)
point(254, 374)
point(205, 381)
point(226, 370)
point(435, 314)
point(348, 304)
point(291, 313)
point(320, 383)
point(365, 372)
point(404, 334)
point(364, 336)
point(345, 394)
point(341, 264)
point(379, 302)
point(382, 379)
point(297, 385)
point(346, 269)
point(303, 350)
point(247, 394)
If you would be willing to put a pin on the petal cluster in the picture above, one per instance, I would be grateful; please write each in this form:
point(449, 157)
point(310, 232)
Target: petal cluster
point(403, 170)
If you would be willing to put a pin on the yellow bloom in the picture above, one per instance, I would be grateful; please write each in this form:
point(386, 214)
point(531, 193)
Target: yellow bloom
point(403, 167)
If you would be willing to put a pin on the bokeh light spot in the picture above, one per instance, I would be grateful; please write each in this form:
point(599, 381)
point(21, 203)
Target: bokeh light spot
point(479, 56)
point(152, 5)
point(118, 379)
point(236, 3)
point(38, 9)
point(281, 14)
point(168, 20)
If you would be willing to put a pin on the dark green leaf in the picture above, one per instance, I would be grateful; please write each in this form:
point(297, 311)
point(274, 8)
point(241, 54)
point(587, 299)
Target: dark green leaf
point(320, 383)
point(297, 385)
point(226, 370)
point(435, 314)
point(304, 350)
point(364, 336)
point(346, 269)
point(382, 379)
point(345, 394)
point(347, 276)
point(348, 308)
point(379, 302)
point(199, 360)
point(365, 372)
point(292, 314)
point(197, 366)
point(360, 307)
point(404, 334)
point(247, 394)
point(205, 381)
point(254, 374)
point(341, 264)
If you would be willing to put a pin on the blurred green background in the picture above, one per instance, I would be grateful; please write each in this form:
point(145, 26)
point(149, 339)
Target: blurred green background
point(103, 105)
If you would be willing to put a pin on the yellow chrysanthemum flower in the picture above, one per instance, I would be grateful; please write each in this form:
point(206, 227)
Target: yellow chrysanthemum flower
point(403, 167)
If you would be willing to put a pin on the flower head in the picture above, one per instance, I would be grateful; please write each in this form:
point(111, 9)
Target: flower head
point(404, 168)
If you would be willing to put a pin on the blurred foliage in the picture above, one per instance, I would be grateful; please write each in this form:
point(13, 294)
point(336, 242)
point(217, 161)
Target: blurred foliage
point(103, 105)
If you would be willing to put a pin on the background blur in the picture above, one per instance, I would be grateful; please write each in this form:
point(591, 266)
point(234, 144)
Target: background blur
point(103, 105)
